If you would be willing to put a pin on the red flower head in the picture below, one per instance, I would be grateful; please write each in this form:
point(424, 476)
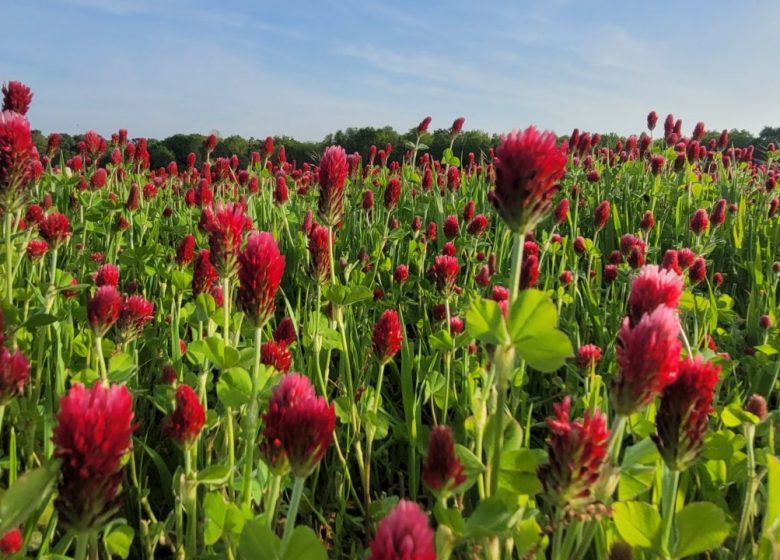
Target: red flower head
point(107, 275)
point(529, 272)
point(14, 374)
point(652, 287)
point(11, 542)
point(686, 257)
point(298, 427)
point(718, 215)
point(579, 245)
point(648, 221)
point(453, 178)
point(682, 417)
point(430, 231)
point(561, 211)
point(457, 126)
point(93, 433)
point(698, 271)
point(184, 424)
point(275, 354)
point(103, 309)
point(36, 249)
point(320, 257)
point(577, 451)
point(211, 142)
point(136, 313)
point(333, 171)
point(260, 269)
point(468, 211)
point(392, 193)
point(528, 168)
point(401, 274)
point(404, 534)
point(225, 228)
point(756, 406)
point(53, 144)
point(482, 277)
point(699, 221)
point(442, 470)
point(204, 273)
point(445, 270)
point(451, 226)
point(186, 250)
point(601, 215)
point(387, 336)
point(565, 277)
point(16, 97)
point(652, 120)
point(478, 225)
point(588, 355)
point(55, 228)
point(285, 331)
point(368, 199)
point(647, 357)
point(422, 128)
point(281, 193)
point(34, 214)
point(98, 179)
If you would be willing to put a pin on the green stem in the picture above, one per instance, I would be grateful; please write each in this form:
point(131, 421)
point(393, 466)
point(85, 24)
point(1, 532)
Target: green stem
point(251, 424)
point(292, 512)
point(82, 543)
point(616, 438)
point(226, 310)
point(670, 482)
point(100, 359)
point(273, 498)
point(9, 274)
point(751, 487)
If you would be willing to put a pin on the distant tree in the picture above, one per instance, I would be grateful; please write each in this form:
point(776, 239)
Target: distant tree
point(159, 154)
point(182, 144)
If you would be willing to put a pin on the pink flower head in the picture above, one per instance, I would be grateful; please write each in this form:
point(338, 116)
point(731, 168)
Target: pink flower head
point(36, 249)
point(55, 228)
point(683, 415)
point(136, 313)
point(16, 97)
point(699, 221)
point(14, 374)
point(93, 433)
point(225, 227)
point(387, 336)
point(319, 254)
point(648, 221)
point(185, 423)
point(698, 271)
point(588, 355)
point(445, 270)
point(103, 309)
point(442, 470)
point(107, 275)
point(528, 167)
point(404, 534)
point(647, 356)
point(260, 270)
point(298, 427)
point(333, 170)
point(577, 451)
point(652, 287)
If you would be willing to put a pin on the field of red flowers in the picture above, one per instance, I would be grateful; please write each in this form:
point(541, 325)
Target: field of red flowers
point(561, 349)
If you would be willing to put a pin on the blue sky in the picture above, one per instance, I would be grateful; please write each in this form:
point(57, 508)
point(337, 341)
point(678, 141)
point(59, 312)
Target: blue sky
point(305, 69)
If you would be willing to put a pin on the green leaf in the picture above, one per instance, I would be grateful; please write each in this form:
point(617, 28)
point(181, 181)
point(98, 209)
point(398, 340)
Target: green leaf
point(215, 351)
point(304, 545)
point(637, 472)
point(485, 322)
point(358, 293)
point(701, 526)
point(181, 279)
point(734, 415)
point(442, 341)
point(214, 513)
point(771, 529)
point(532, 313)
point(119, 540)
point(214, 474)
point(638, 524)
point(258, 542)
point(30, 491)
point(234, 387)
point(518, 471)
point(492, 517)
point(546, 351)
point(40, 320)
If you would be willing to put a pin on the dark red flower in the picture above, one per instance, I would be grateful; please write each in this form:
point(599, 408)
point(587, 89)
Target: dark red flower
point(34, 214)
point(169, 375)
point(36, 249)
point(225, 227)
point(285, 331)
point(482, 277)
point(333, 170)
point(647, 356)
point(699, 221)
point(298, 427)
point(275, 353)
point(107, 275)
point(682, 417)
point(55, 228)
point(648, 221)
point(698, 271)
point(387, 336)
point(478, 225)
point(14, 373)
point(442, 470)
point(204, 274)
point(16, 97)
point(601, 214)
point(529, 272)
point(561, 211)
point(652, 287)
point(528, 168)
point(11, 542)
point(610, 273)
point(136, 313)
point(718, 215)
point(392, 193)
point(756, 406)
point(280, 191)
point(657, 163)
point(93, 433)
point(457, 126)
point(686, 257)
point(103, 309)
point(368, 199)
point(588, 355)
point(577, 451)
point(579, 245)
point(468, 211)
point(186, 250)
point(445, 269)
point(401, 273)
point(422, 128)
point(319, 254)
point(404, 534)
point(260, 270)
point(451, 226)
point(652, 120)
point(185, 423)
